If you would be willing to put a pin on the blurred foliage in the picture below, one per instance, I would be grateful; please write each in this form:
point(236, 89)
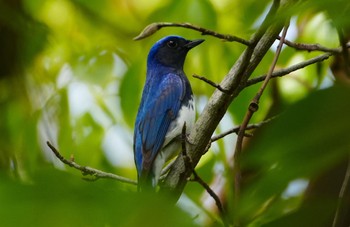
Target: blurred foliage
point(295, 155)
point(71, 74)
point(58, 199)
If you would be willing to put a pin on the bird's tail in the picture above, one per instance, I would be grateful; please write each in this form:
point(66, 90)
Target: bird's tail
point(147, 181)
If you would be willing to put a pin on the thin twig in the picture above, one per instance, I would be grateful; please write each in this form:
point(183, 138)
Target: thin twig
point(236, 129)
point(216, 198)
point(310, 47)
point(253, 107)
point(286, 71)
point(154, 27)
point(189, 164)
point(210, 83)
point(88, 170)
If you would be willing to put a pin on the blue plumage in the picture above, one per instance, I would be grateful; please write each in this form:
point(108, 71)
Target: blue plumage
point(167, 102)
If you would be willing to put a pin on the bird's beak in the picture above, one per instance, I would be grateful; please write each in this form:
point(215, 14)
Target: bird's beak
point(194, 43)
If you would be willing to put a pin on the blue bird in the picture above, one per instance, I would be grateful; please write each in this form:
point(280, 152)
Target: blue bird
point(166, 104)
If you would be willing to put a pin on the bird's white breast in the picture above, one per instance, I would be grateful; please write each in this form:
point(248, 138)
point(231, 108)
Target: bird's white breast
point(172, 143)
point(186, 114)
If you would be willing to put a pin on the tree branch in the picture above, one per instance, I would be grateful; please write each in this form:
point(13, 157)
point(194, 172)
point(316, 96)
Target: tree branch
point(234, 81)
point(88, 170)
point(154, 27)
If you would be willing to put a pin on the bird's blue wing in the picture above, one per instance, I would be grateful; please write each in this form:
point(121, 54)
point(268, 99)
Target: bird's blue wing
point(160, 105)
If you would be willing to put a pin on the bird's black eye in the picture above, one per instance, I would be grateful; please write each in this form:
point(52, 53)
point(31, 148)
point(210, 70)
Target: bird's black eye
point(172, 44)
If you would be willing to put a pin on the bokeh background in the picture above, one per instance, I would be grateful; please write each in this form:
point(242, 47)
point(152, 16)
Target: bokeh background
point(71, 74)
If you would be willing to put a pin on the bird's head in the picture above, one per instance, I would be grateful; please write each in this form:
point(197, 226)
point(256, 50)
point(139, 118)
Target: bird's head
point(171, 51)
